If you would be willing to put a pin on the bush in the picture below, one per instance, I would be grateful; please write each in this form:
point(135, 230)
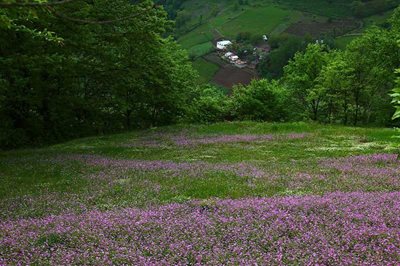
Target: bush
point(262, 100)
point(210, 104)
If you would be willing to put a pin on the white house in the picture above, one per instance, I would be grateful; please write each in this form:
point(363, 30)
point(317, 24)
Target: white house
point(222, 45)
point(265, 37)
point(228, 55)
point(234, 58)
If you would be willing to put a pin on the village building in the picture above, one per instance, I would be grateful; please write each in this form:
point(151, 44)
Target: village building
point(234, 58)
point(223, 45)
point(240, 64)
point(228, 54)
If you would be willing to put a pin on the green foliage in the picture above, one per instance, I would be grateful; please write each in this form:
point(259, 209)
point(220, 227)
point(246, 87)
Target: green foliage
point(367, 8)
point(301, 77)
point(87, 68)
point(396, 98)
point(284, 48)
point(262, 100)
point(349, 86)
point(112, 70)
point(210, 104)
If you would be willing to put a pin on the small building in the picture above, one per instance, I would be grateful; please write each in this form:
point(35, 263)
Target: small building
point(234, 58)
point(223, 45)
point(228, 55)
point(265, 37)
point(240, 64)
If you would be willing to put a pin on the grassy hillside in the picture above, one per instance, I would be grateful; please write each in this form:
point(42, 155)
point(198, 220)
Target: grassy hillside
point(229, 22)
point(81, 197)
point(33, 179)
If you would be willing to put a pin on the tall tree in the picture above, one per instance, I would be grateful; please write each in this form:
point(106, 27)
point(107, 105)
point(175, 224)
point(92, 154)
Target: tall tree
point(301, 77)
point(108, 68)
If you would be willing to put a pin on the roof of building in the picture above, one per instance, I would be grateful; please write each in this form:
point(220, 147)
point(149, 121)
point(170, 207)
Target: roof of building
point(224, 42)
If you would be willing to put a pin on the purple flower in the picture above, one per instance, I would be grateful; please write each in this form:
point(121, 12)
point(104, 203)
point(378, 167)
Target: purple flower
point(334, 229)
point(194, 169)
point(185, 140)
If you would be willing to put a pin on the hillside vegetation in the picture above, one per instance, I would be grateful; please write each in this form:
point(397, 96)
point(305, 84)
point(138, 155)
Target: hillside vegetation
point(199, 23)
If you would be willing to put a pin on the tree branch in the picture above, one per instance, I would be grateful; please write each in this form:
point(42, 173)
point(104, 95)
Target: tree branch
point(34, 4)
point(86, 21)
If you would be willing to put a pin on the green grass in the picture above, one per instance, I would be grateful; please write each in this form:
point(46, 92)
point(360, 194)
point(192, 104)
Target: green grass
point(261, 17)
point(206, 69)
point(200, 35)
point(201, 49)
point(342, 41)
point(257, 20)
point(44, 181)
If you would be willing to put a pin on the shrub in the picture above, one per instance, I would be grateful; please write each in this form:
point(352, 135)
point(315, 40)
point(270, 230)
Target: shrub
point(262, 100)
point(210, 104)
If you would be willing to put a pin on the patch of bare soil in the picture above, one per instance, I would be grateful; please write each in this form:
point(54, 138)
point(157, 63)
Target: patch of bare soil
point(229, 76)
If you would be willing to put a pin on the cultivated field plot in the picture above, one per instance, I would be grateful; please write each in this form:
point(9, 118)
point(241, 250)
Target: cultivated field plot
point(229, 193)
point(230, 76)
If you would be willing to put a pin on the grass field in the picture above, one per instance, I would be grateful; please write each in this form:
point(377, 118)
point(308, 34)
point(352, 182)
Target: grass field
point(206, 69)
point(202, 194)
point(198, 36)
point(342, 41)
point(257, 20)
point(201, 49)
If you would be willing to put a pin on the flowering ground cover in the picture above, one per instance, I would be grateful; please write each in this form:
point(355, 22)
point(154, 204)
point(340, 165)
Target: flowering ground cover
point(336, 229)
point(231, 193)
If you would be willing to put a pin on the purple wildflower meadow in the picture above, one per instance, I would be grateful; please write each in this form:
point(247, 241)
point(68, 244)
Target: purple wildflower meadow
point(185, 141)
point(335, 229)
point(194, 169)
point(375, 165)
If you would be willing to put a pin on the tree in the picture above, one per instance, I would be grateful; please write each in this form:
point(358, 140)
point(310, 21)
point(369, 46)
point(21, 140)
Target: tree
point(284, 49)
point(113, 70)
point(301, 76)
point(208, 104)
point(335, 79)
point(396, 97)
point(261, 100)
point(373, 58)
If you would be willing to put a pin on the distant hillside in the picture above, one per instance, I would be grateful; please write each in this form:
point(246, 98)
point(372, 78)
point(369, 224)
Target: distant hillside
point(200, 22)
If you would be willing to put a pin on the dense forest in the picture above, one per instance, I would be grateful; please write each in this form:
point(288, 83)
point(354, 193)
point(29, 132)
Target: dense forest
point(75, 68)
